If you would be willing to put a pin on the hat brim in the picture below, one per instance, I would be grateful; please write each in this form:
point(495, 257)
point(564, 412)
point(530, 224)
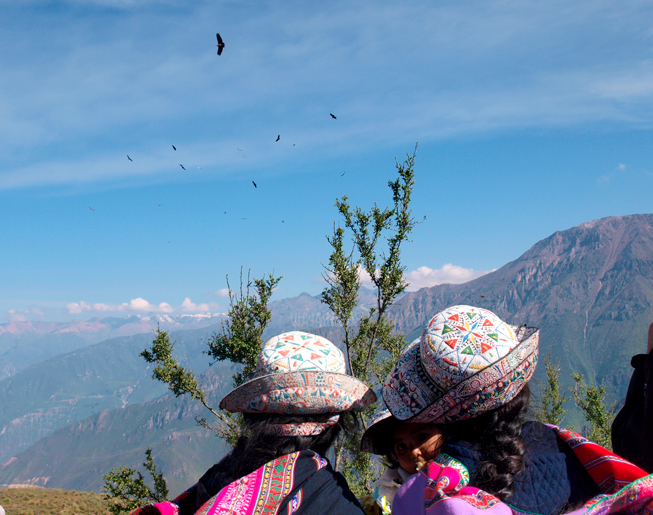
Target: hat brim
point(369, 441)
point(300, 393)
point(483, 391)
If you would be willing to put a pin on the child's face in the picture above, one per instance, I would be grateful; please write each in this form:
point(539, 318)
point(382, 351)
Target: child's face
point(414, 443)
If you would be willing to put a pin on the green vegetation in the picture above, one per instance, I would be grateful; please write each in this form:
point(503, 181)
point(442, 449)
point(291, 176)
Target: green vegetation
point(590, 399)
point(550, 406)
point(47, 501)
point(370, 345)
point(240, 341)
point(125, 493)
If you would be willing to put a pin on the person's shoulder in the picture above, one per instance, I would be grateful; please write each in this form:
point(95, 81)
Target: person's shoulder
point(540, 438)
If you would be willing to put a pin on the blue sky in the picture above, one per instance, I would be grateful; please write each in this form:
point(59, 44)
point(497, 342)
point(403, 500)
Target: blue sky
point(531, 117)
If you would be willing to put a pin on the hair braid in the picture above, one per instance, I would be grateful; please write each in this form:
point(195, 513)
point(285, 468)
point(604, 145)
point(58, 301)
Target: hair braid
point(497, 435)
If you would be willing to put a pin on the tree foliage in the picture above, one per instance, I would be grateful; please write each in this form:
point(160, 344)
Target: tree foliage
point(550, 407)
point(240, 341)
point(590, 399)
point(241, 338)
point(125, 488)
point(371, 347)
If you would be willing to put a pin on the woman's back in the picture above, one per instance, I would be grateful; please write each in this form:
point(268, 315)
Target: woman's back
point(552, 481)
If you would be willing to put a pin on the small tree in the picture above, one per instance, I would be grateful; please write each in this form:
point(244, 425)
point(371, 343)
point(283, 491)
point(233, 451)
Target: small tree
point(550, 406)
point(590, 399)
point(125, 488)
point(370, 345)
point(240, 341)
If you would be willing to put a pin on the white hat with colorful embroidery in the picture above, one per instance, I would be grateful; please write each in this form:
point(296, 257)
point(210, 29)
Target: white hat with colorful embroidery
point(468, 361)
point(299, 373)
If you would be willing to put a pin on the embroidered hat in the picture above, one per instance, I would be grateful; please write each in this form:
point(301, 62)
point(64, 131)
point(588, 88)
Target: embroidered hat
point(370, 441)
point(299, 373)
point(468, 361)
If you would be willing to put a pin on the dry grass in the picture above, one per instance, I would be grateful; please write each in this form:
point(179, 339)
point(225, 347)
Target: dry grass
point(46, 501)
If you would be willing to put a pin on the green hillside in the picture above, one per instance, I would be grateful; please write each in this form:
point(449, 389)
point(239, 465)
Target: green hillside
point(45, 501)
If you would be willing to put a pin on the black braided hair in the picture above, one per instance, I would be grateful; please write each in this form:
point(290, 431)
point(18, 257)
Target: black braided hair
point(497, 436)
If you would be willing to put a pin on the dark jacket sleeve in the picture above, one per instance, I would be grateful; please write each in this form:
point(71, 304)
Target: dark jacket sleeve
point(632, 429)
point(326, 491)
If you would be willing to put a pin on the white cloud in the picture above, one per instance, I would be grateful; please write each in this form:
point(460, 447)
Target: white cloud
point(189, 305)
point(223, 292)
point(21, 315)
point(425, 277)
point(622, 167)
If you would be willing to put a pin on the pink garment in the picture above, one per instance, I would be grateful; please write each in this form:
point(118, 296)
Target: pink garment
point(441, 490)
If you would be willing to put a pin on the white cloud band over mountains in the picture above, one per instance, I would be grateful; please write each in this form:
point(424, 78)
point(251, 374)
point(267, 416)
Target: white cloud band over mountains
point(140, 305)
point(422, 277)
point(425, 277)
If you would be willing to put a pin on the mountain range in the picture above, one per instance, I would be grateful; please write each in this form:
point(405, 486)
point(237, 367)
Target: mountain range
point(24, 343)
point(589, 289)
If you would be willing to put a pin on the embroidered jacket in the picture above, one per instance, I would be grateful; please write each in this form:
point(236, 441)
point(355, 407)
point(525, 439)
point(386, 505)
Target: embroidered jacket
point(301, 483)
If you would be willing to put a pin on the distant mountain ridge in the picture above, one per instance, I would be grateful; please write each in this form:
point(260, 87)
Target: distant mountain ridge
point(70, 387)
point(25, 343)
point(77, 456)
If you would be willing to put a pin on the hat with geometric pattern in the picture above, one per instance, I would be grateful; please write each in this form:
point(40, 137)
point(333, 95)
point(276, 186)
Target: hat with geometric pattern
point(467, 362)
point(299, 373)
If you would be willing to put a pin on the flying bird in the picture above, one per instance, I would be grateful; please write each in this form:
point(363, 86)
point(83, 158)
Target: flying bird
point(342, 174)
point(278, 137)
point(254, 184)
point(159, 205)
point(333, 116)
point(182, 166)
point(239, 149)
point(130, 158)
point(220, 44)
point(198, 167)
point(91, 208)
point(482, 296)
point(174, 147)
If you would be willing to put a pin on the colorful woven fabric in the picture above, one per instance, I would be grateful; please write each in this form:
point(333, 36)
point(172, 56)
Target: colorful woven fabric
point(299, 373)
point(258, 493)
point(636, 498)
point(468, 361)
point(609, 471)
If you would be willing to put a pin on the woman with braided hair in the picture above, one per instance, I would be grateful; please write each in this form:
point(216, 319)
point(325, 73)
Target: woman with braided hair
point(468, 375)
point(295, 405)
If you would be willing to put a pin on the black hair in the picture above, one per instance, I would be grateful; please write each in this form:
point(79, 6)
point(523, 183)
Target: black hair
point(497, 436)
point(259, 446)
